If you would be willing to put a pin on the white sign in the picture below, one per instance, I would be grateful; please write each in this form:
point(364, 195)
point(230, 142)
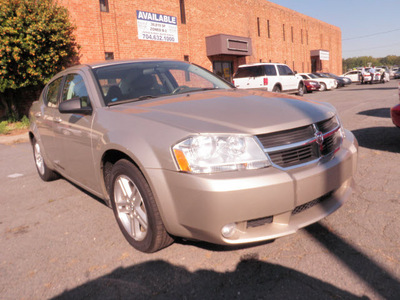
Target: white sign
point(156, 27)
point(323, 55)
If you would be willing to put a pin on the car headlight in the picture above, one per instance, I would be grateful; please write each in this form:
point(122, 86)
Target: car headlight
point(210, 154)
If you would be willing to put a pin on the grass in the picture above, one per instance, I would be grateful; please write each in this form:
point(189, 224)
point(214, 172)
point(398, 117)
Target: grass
point(7, 127)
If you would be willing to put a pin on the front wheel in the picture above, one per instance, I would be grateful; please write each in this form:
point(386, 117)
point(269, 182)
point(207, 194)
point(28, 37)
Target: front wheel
point(135, 209)
point(323, 86)
point(44, 172)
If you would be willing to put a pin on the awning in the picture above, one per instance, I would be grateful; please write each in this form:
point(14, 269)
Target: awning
point(223, 44)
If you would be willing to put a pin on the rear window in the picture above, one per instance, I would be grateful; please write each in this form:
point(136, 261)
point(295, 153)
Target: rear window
point(254, 71)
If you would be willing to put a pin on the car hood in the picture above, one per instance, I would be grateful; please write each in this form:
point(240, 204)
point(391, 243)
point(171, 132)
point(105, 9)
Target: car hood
point(229, 111)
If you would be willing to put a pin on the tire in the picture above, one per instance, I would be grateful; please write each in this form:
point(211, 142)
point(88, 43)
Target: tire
point(301, 89)
point(277, 89)
point(135, 209)
point(43, 170)
point(323, 86)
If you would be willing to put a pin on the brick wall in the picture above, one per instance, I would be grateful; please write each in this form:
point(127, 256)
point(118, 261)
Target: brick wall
point(116, 31)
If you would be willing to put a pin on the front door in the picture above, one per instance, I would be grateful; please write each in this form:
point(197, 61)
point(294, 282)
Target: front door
point(73, 134)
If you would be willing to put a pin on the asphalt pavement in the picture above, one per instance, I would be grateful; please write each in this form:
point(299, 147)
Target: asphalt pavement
point(59, 242)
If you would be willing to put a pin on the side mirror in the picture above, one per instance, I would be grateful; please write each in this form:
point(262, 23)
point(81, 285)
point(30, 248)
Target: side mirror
point(74, 106)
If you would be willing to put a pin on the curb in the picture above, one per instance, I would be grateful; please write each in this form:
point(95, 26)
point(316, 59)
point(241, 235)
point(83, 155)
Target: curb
point(14, 139)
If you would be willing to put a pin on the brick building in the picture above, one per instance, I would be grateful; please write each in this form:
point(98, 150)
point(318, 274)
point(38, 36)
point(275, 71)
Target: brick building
point(218, 35)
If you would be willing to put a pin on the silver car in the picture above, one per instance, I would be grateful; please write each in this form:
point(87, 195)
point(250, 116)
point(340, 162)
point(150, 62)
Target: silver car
point(178, 152)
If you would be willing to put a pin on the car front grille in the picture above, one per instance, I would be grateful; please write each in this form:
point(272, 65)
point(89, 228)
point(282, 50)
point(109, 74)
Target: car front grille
point(294, 147)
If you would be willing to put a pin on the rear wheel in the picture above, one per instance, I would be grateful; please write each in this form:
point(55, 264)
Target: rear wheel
point(301, 90)
point(277, 89)
point(136, 210)
point(44, 172)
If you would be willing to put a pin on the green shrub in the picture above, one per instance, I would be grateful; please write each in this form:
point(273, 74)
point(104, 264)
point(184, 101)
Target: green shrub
point(4, 127)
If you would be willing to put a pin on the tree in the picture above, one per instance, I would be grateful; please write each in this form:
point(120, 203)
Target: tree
point(363, 61)
point(36, 42)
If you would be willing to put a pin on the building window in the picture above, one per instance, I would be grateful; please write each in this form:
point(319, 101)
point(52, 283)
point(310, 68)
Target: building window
point(283, 30)
point(186, 57)
point(307, 36)
point(258, 26)
point(293, 67)
point(109, 55)
point(291, 30)
point(183, 12)
point(104, 6)
point(269, 34)
point(302, 36)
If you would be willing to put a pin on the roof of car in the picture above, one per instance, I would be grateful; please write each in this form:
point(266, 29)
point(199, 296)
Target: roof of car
point(259, 64)
point(118, 62)
point(99, 64)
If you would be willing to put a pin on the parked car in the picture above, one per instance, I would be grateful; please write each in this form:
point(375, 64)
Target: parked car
point(272, 77)
point(381, 75)
point(340, 81)
point(392, 70)
point(396, 75)
point(178, 152)
point(385, 74)
point(326, 83)
point(395, 112)
point(346, 80)
point(311, 85)
point(354, 75)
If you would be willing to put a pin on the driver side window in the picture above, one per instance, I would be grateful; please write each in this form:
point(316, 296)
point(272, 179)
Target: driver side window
point(75, 87)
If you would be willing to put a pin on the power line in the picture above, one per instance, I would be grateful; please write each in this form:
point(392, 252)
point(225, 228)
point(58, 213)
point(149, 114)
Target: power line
point(369, 48)
point(364, 36)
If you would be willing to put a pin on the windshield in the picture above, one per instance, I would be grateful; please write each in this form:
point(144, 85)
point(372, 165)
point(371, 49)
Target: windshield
point(313, 76)
point(125, 82)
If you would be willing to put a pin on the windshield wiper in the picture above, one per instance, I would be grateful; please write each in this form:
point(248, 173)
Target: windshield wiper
point(144, 97)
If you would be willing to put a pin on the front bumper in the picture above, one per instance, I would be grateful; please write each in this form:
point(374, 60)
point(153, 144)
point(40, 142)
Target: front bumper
point(264, 204)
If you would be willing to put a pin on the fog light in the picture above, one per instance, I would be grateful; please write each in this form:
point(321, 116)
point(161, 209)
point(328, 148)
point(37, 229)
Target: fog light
point(228, 230)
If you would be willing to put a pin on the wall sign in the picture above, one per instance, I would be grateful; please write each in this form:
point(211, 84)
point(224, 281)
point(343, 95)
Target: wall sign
point(324, 55)
point(156, 27)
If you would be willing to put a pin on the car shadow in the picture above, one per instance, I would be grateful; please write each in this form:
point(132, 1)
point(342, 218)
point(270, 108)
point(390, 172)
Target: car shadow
point(367, 87)
point(251, 279)
point(379, 138)
point(378, 112)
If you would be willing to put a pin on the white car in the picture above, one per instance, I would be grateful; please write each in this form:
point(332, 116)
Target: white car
point(353, 75)
point(326, 83)
point(272, 77)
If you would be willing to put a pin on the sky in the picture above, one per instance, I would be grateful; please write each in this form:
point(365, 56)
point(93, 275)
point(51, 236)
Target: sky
point(369, 27)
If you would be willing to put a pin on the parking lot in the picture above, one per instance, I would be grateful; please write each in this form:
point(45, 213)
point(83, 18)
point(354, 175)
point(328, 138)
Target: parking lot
point(58, 241)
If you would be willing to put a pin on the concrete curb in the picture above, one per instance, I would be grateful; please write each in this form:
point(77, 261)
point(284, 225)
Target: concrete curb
point(14, 139)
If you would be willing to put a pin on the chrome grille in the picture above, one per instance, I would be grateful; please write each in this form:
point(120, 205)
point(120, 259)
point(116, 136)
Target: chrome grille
point(286, 137)
point(294, 156)
point(300, 145)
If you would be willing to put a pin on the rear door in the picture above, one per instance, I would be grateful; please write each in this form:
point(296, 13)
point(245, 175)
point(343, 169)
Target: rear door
point(45, 119)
